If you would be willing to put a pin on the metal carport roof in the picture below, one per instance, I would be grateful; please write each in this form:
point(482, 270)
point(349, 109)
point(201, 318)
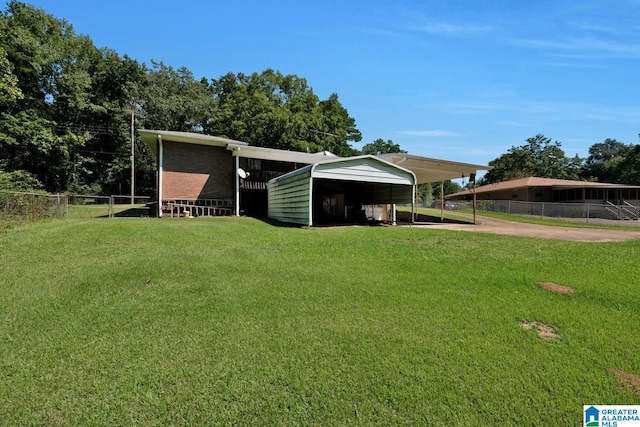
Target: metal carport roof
point(432, 170)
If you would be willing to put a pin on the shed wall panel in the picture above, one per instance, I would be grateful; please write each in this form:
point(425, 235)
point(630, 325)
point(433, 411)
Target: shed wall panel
point(289, 198)
point(391, 193)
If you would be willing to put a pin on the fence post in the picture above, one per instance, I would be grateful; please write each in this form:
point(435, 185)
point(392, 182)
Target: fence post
point(588, 213)
point(542, 210)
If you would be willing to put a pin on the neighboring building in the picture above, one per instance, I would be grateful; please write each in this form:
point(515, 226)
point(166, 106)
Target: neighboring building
point(534, 189)
point(207, 175)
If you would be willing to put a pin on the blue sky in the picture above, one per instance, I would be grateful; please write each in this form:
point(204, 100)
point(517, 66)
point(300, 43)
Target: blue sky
point(458, 80)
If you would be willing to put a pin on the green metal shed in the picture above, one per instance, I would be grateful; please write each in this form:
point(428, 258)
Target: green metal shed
point(334, 190)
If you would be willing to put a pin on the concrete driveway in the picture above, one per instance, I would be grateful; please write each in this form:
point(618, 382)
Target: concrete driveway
point(499, 226)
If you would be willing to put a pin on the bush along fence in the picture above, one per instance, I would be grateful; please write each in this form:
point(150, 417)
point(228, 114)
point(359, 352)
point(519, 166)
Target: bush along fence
point(584, 211)
point(17, 208)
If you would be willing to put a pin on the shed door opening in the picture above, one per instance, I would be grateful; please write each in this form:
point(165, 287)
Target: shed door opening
point(351, 202)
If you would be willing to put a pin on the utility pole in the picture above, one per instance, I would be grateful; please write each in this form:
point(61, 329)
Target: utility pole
point(133, 146)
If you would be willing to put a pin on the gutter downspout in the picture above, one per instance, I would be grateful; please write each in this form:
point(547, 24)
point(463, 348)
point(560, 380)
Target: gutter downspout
point(160, 169)
point(237, 152)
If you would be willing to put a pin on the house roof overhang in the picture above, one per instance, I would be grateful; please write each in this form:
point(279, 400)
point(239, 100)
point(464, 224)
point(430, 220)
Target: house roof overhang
point(150, 137)
point(251, 152)
point(535, 182)
point(424, 169)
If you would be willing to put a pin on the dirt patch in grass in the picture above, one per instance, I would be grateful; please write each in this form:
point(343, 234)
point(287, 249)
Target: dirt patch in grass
point(544, 331)
point(559, 289)
point(630, 381)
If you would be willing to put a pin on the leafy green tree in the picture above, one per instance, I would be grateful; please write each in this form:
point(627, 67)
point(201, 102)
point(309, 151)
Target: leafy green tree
point(9, 90)
point(32, 144)
point(335, 119)
point(449, 187)
point(116, 92)
point(280, 111)
point(629, 168)
point(425, 192)
point(18, 181)
point(66, 107)
point(174, 100)
point(539, 157)
point(380, 146)
point(611, 161)
point(70, 127)
point(267, 109)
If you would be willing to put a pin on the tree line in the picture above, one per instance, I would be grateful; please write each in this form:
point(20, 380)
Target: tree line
point(66, 108)
point(66, 111)
point(608, 161)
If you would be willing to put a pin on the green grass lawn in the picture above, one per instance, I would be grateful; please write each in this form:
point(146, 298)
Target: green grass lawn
point(235, 321)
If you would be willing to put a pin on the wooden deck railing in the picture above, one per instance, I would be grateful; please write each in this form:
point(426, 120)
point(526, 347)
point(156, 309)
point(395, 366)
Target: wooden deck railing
point(199, 207)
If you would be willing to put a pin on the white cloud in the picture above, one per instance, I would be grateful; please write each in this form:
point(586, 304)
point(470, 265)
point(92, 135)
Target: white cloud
point(447, 29)
point(587, 26)
point(527, 112)
point(588, 46)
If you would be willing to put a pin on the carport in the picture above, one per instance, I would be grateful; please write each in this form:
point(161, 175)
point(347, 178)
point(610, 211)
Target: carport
point(336, 191)
point(427, 169)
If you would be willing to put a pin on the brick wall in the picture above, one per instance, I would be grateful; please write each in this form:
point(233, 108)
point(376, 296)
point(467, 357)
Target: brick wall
point(193, 171)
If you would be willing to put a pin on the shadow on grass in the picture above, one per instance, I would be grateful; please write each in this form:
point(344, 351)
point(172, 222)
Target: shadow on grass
point(325, 224)
point(133, 212)
point(402, 218)
point(405, 217)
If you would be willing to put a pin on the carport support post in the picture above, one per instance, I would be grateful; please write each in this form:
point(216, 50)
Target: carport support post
point(441, 201)
point(414, 206)
point(474, 202)
point(160, 172)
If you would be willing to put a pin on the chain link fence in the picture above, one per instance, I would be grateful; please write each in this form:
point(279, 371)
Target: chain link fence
point(21, 208)
point(87, 206)
point(584, 211)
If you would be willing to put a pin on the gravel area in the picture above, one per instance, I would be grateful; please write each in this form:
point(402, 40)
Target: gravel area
point(499, 226)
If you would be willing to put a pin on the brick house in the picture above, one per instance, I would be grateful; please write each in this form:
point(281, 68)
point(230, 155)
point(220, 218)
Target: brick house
point(207, 175)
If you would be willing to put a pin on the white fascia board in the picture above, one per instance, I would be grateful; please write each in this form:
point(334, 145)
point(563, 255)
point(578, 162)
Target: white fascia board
point(150, 137)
